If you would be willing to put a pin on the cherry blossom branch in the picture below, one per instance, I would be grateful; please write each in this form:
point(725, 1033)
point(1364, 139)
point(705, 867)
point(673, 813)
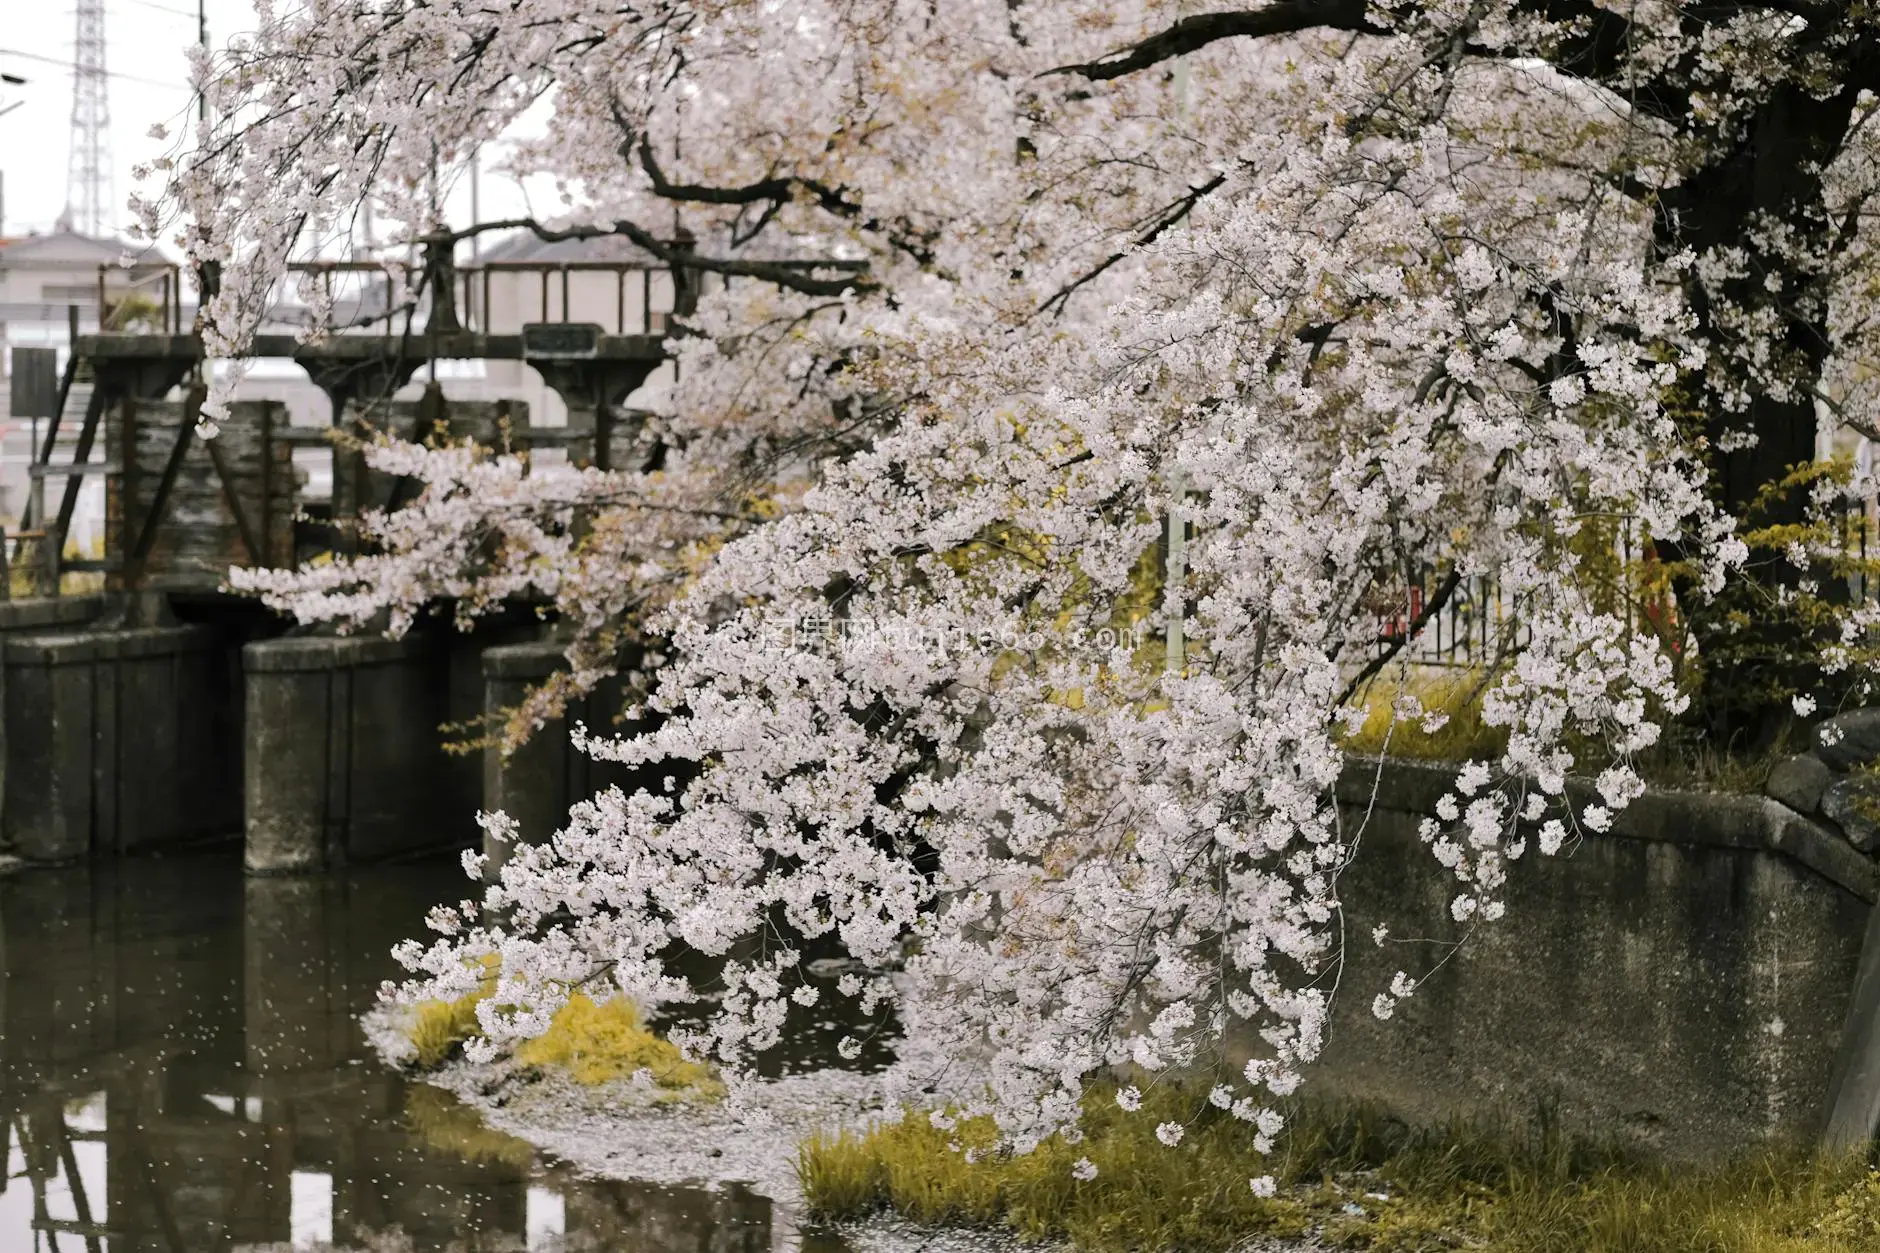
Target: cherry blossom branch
point(1172, 217)
point(767, 189)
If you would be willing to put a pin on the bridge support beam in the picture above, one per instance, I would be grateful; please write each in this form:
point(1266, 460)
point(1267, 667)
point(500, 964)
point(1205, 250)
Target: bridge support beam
point(592, 390)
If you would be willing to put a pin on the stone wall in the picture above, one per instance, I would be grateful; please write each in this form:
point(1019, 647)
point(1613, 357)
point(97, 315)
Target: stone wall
point(1683, 983)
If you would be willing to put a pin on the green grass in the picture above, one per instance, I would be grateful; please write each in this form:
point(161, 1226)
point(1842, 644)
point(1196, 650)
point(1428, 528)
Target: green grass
point(1361, 1180)
point(1456, 692)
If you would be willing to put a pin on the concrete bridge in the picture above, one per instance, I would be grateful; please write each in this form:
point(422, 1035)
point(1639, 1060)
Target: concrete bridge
point(162, 710)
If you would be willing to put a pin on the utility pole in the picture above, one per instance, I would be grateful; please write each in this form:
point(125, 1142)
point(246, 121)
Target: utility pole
point(1175, 652)
point(476, 207)
point(202, 41)
point(11, 80)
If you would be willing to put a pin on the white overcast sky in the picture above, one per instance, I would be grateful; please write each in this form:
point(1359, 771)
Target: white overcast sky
point(145, 42)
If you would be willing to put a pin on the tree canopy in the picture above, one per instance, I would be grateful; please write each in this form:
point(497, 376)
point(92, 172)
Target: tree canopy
point(1367, 294)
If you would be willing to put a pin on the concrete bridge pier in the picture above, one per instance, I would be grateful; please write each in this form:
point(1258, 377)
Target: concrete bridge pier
point(346, 758)
point(344, 761)
point(537, 783)
point(119, 739)
point(593, 390)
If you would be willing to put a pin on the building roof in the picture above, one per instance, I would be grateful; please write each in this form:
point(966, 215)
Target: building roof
point(525, 246)
point(69, 248)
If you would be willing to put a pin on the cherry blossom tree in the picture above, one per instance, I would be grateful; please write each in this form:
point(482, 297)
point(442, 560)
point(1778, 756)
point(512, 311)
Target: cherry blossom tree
point(1349, 291)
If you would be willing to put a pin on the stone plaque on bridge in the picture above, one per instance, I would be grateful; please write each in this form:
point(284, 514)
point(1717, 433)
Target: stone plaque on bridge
point(34, 382)
point(561, 341)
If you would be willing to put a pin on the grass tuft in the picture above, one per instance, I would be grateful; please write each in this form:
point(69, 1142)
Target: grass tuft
point(439, 1028)
point(599, 1043)
point(594, 1042)
point(1358, 1178)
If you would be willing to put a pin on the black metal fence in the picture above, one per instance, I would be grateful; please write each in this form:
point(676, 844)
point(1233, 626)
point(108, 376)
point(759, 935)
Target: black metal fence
point(1479, 622)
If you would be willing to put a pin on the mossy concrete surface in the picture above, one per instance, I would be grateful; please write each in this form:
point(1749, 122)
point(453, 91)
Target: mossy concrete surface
point(1682, 984)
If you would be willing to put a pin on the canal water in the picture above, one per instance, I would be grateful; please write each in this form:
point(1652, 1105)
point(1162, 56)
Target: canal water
point(183, 1072)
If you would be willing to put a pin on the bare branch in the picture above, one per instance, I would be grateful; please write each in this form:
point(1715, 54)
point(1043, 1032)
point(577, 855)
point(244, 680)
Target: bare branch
point(776, 190)
point(1170, 217)
point(1191, 33)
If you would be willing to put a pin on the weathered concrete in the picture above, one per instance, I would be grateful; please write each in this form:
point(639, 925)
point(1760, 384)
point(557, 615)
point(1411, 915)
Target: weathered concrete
point(536, 784)
point(1854, 1101)
point(117, 742)
point(38, 615)
point(345, 759)
point(531, 784)
point(1682, 982)
point(49, 613)
point(179, 524)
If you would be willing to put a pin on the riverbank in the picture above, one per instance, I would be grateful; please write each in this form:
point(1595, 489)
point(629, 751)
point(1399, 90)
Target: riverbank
point(752, 1139)
point(1358, 1181)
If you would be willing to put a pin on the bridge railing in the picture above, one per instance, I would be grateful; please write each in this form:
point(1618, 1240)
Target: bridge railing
point(636, 296)
point(625, 297)
point(162, 283)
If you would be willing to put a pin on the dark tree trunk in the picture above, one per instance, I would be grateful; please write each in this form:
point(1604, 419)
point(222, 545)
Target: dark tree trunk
point(1770, 175)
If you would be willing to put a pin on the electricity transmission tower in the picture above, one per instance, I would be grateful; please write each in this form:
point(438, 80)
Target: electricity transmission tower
point(89, 187)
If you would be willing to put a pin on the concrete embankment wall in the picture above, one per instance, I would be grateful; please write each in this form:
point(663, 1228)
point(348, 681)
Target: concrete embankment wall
point(1702, 979)
point(538, 782)
point(1685, 983)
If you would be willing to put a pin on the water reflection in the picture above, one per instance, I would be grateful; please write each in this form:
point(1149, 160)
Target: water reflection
point(180, 1072)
